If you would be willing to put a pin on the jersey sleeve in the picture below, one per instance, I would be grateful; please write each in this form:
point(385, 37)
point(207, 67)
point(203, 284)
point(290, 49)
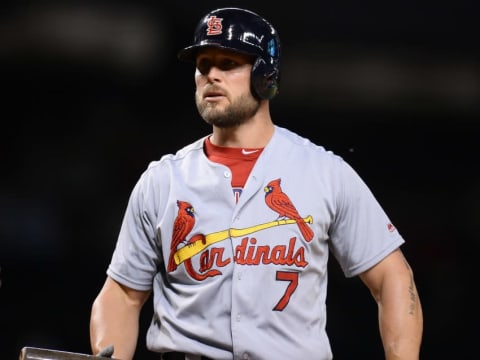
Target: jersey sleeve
point(137, 252)
point(362, 234)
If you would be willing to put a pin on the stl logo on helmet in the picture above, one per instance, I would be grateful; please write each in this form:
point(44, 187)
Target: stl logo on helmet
point(214, 25)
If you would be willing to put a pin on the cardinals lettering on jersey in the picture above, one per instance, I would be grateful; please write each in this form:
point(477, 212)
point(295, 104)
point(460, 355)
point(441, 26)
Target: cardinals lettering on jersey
point(278, 201)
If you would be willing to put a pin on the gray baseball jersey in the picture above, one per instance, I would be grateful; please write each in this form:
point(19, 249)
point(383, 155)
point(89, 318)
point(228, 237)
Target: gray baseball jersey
point(247, 279)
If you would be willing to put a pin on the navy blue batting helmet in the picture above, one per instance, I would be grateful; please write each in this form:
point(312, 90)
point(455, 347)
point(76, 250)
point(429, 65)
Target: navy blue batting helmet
point(246, 32)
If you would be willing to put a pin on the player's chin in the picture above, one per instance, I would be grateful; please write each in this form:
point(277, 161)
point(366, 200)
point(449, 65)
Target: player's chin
point(208, 113)
point(208, 108)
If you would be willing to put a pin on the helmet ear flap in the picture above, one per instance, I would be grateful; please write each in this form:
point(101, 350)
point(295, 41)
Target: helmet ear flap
point(264, 79)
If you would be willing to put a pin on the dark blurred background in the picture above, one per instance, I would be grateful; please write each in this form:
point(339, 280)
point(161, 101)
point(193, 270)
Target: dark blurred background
point(92, 92)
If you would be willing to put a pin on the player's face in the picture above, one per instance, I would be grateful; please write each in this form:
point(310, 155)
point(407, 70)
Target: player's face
point(223, 95)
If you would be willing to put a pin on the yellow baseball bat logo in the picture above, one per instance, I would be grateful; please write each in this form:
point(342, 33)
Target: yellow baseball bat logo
point(194, 248)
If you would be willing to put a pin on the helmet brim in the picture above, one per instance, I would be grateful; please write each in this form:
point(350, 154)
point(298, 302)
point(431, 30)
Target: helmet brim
point(189, 53)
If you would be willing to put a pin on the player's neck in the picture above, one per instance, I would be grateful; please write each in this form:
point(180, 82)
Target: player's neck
point(245, 136)
point(255, 133)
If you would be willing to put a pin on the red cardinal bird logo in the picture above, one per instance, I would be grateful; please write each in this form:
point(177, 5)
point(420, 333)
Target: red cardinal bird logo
point(278, 201)
point(181, 228)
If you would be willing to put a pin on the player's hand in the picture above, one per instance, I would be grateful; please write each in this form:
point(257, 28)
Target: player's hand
point(106, 352)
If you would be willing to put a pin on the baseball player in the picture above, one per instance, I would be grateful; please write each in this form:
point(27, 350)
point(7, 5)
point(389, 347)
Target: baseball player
point(231, 234)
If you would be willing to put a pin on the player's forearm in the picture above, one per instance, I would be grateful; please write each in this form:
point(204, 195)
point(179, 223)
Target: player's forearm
point(106, 329)
point(115, 321)
point(401, 319)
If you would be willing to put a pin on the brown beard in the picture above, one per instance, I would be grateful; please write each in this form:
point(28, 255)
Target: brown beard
point(237, 113)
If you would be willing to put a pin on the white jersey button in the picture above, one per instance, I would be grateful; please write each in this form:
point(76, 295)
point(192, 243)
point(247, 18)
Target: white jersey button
point(227, 174)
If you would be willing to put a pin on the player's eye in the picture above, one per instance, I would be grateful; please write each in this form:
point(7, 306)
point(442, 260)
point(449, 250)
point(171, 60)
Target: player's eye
point(204, 65)
point(227, 64)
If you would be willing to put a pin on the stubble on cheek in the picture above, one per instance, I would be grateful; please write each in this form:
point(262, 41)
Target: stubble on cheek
point(206, 109)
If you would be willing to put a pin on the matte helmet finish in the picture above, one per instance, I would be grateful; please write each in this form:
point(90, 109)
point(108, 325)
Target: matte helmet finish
point(246, 32)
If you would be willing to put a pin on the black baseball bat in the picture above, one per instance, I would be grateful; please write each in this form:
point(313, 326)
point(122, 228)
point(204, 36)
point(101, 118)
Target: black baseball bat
point(34, 353)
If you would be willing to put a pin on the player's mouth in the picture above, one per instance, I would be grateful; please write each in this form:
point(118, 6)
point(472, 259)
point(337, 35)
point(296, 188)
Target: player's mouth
point(213, 95)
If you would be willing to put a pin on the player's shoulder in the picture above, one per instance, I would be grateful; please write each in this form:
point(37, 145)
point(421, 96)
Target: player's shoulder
point(285, 135)
point(194, 149)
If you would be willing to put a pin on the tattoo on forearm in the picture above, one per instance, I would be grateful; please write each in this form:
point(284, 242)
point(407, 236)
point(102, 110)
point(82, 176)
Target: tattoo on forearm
point(411, 290)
